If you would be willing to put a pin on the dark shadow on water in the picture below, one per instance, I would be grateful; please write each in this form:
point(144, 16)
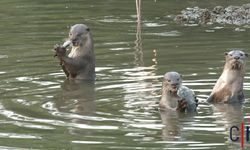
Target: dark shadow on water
point(173, 122)
point(231, 114)
point(225, 116)
point(76, 103)
point(228, 115)
point(77, 97)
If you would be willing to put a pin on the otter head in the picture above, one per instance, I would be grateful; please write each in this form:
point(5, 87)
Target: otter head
point(236, 59)
point(78, 34)
point(171, 82)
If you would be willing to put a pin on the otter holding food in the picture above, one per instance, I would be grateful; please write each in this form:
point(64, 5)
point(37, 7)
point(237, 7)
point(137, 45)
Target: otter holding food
point(175, 96)
point(80, 62)
point(229, 87)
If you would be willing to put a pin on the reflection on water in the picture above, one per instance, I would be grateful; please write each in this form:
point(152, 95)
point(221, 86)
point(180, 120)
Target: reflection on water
point(136, 42)
point(172, 129)
point(228, 114)
point(82, 94)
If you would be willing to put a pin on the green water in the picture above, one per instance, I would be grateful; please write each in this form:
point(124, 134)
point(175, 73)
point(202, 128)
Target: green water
point(39, 109)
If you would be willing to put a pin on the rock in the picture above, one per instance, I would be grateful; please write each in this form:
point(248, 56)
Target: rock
point(236, 15)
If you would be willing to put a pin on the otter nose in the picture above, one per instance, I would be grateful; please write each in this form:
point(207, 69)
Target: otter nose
point(73, 40)
point(236, 57)
point(174, 84)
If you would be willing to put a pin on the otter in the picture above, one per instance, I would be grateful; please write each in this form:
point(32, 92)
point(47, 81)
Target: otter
point(175, 96)
point(80, 62)
point(229, 86)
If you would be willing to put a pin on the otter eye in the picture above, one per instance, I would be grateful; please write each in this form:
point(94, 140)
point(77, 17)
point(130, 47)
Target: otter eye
point(70, 34)
point(230, 55)
point(169, 80)
point(241, 54)
point(178, 79)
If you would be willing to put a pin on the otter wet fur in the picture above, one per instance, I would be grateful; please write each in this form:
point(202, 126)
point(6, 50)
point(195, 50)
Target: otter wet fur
point(172, 82)
point(80, 62)
point(229, 86)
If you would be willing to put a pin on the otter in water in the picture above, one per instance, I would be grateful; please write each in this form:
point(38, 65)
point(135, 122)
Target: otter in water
point(175, 96)
point(229, 87)
point(80, 62)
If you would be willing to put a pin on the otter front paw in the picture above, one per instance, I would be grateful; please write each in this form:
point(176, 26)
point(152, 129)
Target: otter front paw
point(60, 51)
point(182, 105)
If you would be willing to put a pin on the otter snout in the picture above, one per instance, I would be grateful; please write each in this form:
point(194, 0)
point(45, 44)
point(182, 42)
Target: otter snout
point(236, 57)
point(175, 87)
point(74, 41)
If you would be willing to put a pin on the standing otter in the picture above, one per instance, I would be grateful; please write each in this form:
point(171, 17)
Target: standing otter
point(80, 62)
point(175, 96)
point(229, 87)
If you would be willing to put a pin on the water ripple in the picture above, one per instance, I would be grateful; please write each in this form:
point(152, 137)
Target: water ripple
point(167, 34)
point(18, 136)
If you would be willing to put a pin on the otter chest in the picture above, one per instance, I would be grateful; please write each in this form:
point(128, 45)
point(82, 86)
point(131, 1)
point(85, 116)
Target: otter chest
point(230, 76)
point(74, 52)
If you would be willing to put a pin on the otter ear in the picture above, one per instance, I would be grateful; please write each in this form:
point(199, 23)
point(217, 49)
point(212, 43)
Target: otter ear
point(181, 75)
point(88, 29)
point(246, 55)
point(226, 53)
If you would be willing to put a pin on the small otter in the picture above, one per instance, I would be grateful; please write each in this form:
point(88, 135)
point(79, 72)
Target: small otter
point(175, 96)
point(229, 87)
point(80, 62)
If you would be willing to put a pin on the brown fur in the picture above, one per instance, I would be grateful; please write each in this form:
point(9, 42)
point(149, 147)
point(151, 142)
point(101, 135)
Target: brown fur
point(229, 87)
point(80, 62)
point(169, 99)
point(223, 93)
point(61, 51)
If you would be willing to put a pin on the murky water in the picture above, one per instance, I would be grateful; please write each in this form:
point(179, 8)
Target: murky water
point(39, 109)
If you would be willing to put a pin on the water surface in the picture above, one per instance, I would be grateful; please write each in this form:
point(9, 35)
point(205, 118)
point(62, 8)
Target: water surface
point(39, 109)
